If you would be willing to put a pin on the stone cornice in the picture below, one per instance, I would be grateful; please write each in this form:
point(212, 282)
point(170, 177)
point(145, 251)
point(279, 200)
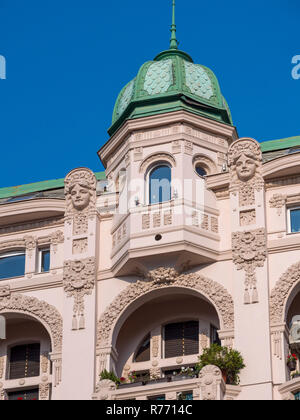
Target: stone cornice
point(159, 121)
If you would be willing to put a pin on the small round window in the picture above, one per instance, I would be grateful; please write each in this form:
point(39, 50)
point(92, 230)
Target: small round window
point(200, 170)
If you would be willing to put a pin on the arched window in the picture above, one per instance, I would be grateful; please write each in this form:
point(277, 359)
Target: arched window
point(201, 170)
point(143, 353)
point(181, 339)
point(160, 184)
point(24, 361)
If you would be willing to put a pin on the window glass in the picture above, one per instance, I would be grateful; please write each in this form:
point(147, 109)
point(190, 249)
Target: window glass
point(160, 184)
point(45, 260)
point(185, 396)
point(12, 265)
point(295, 220)
point(143, 353)
point(157, 398)
point(200, 170)
point(297, 396)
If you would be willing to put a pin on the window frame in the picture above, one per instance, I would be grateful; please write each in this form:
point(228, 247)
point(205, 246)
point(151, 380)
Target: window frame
point(163, 335)
point(14, 253)
point(154, 166)
point(289, 221)
point(40, 251)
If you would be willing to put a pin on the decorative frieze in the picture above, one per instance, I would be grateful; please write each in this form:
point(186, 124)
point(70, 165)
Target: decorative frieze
point(32, 225)
point(155, 346)
point(30, 244)
point(249, 251)
point(80, 246)
point(188, 147)
point(248, 217)
point(44, 362)
point(145, 221)
point(79, 280)
point(204, 339)
point(278, 201)
point(56, 239)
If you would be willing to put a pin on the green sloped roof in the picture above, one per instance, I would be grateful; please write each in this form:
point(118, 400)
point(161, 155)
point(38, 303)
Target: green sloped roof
point(39, 186)
point(272, 145)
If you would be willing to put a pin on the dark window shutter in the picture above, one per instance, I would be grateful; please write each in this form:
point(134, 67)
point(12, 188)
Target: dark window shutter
point(191, 338)
point(181, 339)
point(24, 361)
point(143, 353)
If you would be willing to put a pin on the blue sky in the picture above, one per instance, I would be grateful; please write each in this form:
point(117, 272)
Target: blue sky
point(67, 60)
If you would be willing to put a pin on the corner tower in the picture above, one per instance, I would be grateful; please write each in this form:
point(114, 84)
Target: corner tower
point(170, 123)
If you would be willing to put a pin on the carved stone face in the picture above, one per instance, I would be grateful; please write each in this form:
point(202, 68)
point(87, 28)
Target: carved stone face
point(80, 196)
point(245, 167)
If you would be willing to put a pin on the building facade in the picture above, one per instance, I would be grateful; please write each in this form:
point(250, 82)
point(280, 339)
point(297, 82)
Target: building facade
point(190, 237)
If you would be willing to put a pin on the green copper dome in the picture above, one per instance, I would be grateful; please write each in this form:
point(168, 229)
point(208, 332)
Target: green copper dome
point(170, 83)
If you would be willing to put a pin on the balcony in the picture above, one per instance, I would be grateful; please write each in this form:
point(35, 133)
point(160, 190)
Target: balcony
point(207, 387)
point(179, 230)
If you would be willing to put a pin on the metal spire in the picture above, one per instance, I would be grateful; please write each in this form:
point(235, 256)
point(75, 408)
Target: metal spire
point(174, 42)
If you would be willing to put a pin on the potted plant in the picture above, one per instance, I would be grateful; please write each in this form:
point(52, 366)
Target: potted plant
point(111, 376)
point(295, 375)
point(292, 362)
point(132, 377)
point(229, 361)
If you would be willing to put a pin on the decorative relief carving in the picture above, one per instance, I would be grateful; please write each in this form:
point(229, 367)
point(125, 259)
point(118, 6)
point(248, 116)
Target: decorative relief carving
point(47, 314)
point(206, 163)
point(2, 392)
point(145, 221)
point(13, 244)
point(1, 366)
point(80, 192)
point(155, 373)
point(204, 224)
point(156, 220)
point(277, 349)
point(104, 390)
point(4, 291)
point(30, 244)
point(164, 278)
point(281, 293)
point(80, 246)
point(79, 280)
point(44, 362)
point(278, 201)
point(249, 251)
point(176, 146)
point(188, 147)
point(44, 392)
point(57, 238)
point(248, 217)
point(210, 378)
point(168, 218)
point(80, 224)
point(245, 162)
point(214, 224)
point(32, 225)
point(155, 347)
point(138, 154)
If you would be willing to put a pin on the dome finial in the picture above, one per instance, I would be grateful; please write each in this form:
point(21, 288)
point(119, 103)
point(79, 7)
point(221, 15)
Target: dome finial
point(174, 42)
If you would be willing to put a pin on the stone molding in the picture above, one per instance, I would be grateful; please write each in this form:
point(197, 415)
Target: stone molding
point(157, 157)
point(160, 279)
point(206, 162)
point(249, 251)
point(281, 293)
point(104, 390)
point(47, 314)
point(79, 280)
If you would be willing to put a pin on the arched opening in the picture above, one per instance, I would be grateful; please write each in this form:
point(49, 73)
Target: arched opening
point(160, 184)
point(24, 357)
point(170, 330)
point(201, 170)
